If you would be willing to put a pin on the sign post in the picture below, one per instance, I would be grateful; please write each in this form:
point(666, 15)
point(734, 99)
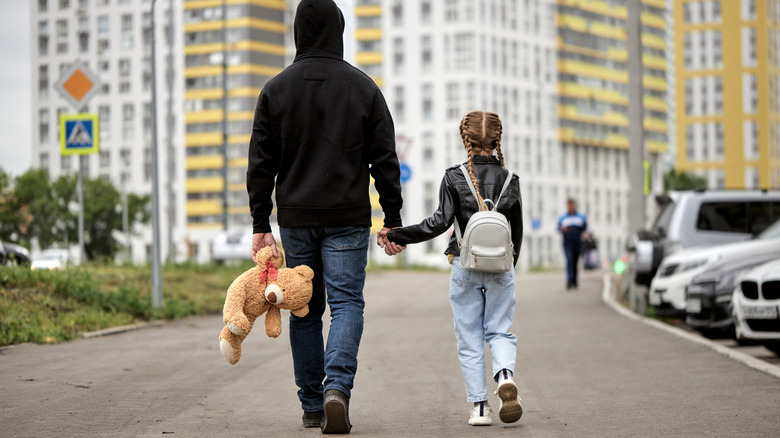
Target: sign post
point(78, 132)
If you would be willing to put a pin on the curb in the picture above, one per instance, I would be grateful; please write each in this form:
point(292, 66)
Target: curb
point(122, 329)
point(757, 364)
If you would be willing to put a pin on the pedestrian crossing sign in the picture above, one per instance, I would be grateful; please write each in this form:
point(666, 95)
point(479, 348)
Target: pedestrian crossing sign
point(79, 134)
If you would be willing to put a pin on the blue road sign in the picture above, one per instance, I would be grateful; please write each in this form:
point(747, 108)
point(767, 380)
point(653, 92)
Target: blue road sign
point(536, 224)
point(78, 134)
point(406, 173)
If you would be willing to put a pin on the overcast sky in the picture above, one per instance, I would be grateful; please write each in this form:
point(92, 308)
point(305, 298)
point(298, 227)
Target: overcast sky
point(15, 86)
point(15, 91)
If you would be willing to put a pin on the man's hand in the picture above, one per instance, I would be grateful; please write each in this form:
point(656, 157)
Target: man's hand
point(261, 240)
point(391, 248)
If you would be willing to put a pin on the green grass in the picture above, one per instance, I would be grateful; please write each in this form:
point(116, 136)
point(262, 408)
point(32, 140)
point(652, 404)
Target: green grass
point(56, 306)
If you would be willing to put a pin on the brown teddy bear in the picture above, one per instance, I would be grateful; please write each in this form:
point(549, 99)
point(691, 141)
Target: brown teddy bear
point(265, 288)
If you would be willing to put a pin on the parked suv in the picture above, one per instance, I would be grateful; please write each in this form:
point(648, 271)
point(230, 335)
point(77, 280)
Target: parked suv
point(698, 218)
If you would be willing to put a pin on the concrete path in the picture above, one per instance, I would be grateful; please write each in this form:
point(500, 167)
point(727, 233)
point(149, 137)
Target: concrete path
point(583, 371)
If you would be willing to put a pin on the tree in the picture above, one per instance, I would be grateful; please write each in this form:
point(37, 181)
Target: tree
point(683, 181)
point(103, 216)
point(46, 210)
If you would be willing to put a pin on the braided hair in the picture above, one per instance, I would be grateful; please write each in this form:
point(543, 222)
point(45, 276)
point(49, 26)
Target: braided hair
point(481, 131)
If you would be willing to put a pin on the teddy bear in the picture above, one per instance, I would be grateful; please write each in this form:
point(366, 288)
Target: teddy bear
point(265, 288)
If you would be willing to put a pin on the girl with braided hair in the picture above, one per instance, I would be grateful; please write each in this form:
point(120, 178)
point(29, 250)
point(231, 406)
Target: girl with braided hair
point(483, 303)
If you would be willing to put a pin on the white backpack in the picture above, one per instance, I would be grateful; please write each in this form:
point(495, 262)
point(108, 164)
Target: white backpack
point(486, 244)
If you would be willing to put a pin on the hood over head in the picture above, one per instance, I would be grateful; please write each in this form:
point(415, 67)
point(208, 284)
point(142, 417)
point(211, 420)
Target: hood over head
point(319, 30)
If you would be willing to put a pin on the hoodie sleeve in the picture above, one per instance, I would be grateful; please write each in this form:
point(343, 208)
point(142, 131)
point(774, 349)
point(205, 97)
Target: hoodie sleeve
point(264, 153)
point(516, 222)
point(379, 137)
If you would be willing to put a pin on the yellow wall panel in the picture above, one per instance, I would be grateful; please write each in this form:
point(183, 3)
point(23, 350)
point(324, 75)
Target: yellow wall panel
point(207, 116)
point(211, 184)
point(368, 34)
point(368, 58)
point(368, 10)
point(203, 139)
point(279, 5)
point(204, 162)
point(204, 207)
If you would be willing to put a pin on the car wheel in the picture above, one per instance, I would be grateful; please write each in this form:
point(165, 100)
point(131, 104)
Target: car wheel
point(773, 346)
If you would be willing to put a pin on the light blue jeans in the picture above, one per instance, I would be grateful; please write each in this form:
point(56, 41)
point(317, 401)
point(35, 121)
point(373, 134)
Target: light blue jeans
point(483, 307)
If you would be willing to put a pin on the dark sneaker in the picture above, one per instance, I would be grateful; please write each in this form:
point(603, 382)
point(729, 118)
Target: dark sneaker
point(313, 419)
point(336, 418)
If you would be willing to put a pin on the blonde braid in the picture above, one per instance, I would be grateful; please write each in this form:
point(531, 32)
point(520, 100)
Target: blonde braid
point(469, 146)
point(498, 144)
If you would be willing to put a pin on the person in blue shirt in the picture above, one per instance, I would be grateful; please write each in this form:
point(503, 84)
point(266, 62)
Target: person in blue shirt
point(572, 225)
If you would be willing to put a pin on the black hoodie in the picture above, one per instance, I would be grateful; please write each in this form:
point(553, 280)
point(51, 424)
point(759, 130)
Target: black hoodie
point(321, 127)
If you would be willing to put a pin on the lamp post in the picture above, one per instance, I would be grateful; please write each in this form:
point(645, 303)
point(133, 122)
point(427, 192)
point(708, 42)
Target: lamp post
point(156, 269)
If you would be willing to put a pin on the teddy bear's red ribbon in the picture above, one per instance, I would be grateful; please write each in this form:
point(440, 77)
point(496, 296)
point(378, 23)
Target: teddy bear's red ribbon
point(270, 272)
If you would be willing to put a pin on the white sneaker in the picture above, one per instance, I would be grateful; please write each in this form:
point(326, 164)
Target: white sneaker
point(480, 415)
point(510, 409)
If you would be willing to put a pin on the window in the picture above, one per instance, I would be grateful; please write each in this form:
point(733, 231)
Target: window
point(723, 216)
point(43, 126)
point(464, 51)
point(398, 55)
point(127, 23)
point(43, 28)
point(83, 4)
point(147, 164)
point(128, 115)
point(43, 45)
point(427, 102)
point(124, 67)
point(104, 116)
point(105, 158)
point(453, 96)
point(62, 47)
point(427, 54)
point(62, 28)
point(43, 81)
point(748, 9)
point(425, 11)
point(43, 5)
point(398, 13)
point(451, 10)
point(83, 42)
point(43, 160)
point(102, 24)
point(102, 46)
point(64, 4)
point(65, 163)
point(124, 157)
point(399, 103)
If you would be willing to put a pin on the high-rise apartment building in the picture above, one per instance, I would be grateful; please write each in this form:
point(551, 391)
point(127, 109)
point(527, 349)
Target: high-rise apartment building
point(728, 91)
point(593, 87)
point(255, 50)
point(114, 39)
point(436, 60)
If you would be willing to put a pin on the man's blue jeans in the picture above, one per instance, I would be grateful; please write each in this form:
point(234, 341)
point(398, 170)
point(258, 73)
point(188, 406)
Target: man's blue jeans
point(338, 257)
point(572, 251)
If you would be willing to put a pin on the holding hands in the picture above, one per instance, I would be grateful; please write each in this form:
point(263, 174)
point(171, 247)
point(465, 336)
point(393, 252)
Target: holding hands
point(390, 248)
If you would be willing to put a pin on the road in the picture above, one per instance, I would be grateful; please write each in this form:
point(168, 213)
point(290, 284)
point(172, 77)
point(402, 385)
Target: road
point(583, 371)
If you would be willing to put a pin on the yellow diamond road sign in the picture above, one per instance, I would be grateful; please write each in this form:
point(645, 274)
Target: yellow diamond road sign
point(78, 85)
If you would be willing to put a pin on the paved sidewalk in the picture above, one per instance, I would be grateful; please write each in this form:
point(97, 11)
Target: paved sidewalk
point(583, 371)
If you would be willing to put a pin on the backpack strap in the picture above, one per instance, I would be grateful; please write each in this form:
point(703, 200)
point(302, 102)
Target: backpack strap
point(458, 235)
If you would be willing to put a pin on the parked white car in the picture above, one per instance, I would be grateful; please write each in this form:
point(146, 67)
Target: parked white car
point(232, 245)
point(51, 259)
point(667, 290)
point(754, 305)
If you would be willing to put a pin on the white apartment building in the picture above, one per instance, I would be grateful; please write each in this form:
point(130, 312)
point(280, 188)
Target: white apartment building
point(436, 60)
point(113, 38)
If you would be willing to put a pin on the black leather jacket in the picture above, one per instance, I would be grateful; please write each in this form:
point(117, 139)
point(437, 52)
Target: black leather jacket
point(456, 200)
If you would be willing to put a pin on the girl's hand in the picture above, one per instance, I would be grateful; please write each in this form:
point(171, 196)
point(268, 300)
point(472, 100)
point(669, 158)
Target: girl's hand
point(390, 248)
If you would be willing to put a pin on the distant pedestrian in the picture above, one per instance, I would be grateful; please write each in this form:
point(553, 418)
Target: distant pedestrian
point(573, 225)
point(483, 303)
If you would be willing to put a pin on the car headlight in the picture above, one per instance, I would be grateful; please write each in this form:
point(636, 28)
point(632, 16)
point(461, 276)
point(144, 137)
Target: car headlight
point(691, 265)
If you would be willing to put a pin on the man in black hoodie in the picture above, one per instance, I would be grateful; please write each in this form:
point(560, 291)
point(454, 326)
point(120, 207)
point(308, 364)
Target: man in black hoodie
point(321, 129)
